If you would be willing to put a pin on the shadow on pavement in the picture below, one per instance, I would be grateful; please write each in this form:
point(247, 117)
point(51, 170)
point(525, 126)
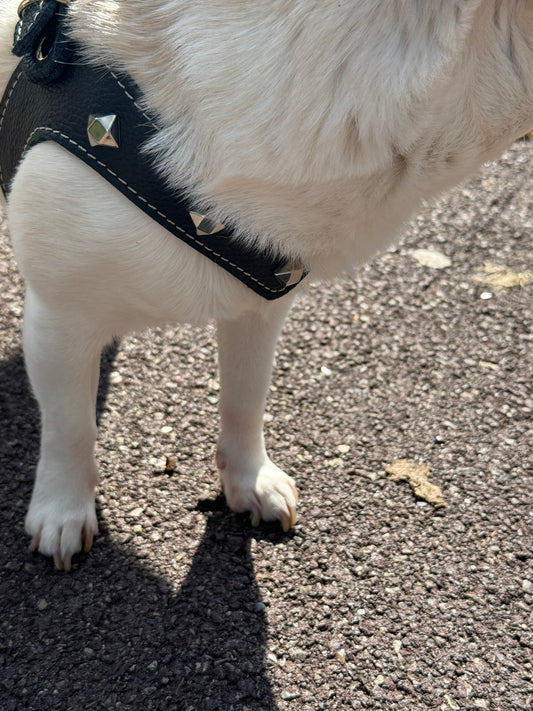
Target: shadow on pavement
point(114, 634)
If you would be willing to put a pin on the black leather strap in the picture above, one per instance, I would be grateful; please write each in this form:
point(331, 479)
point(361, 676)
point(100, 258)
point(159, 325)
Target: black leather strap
point(59, 111)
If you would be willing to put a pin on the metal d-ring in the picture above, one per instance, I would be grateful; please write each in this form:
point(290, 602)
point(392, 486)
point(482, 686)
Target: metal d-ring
point(39, 55)
point(26, 3)
point(23, 5)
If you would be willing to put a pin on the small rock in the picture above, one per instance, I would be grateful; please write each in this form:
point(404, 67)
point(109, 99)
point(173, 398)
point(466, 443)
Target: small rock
point(297, 653)
point(488, 365)
point(335, 462)
point(157, 462)
point(527, 585)
point(341, 655)
point(42, 604)
point(451, 703)
point(463, 688)
point(290, 695)
point(431, 258)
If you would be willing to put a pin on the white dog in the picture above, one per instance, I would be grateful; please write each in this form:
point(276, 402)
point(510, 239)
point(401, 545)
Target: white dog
point(314, 127)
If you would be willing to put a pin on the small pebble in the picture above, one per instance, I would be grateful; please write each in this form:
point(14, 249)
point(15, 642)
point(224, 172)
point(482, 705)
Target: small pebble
point(397, 645)
point(431, 258)
point(527, 585)
point(335, 462)
point(290, 695)
point(451, 703)
point(42, 604)
point(341, 655)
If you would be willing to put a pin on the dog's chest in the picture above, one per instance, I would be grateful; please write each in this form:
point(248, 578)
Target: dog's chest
point(97, 115)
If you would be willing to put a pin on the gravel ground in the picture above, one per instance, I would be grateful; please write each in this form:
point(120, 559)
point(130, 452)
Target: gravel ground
point(376, 599)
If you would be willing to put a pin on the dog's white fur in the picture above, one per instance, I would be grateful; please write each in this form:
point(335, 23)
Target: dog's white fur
point(313, 126)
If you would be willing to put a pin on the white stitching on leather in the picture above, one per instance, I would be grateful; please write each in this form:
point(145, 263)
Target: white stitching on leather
point(132, 99)
point(2, 117)
point(48, 130)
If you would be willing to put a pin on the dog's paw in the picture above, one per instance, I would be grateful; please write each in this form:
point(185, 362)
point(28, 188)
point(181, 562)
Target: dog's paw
point(61, 526)
point(265, 491)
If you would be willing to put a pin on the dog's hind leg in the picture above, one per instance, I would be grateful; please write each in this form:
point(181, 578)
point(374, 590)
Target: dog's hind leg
point(251, 482)
point(62, 359)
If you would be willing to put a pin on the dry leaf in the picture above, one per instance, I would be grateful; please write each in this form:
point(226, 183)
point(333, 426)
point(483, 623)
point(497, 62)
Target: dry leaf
point(499, 277)
point(170, 464)
point(417, 476)
point(431, 258)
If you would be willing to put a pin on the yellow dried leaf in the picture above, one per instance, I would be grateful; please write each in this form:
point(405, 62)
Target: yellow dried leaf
point(417, 477)
point(499, 277)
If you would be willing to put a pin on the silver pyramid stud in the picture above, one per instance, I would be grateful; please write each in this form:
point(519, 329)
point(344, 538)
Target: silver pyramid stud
point(290, 273)
point(205, 226)
point(103, 130)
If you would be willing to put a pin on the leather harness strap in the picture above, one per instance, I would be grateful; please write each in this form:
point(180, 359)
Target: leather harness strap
point(97, 115)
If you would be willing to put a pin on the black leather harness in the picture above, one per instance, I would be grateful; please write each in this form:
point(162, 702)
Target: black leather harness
point(54, 96)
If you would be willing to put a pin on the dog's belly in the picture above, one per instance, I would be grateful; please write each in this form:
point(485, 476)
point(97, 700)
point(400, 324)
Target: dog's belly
point(78, 239)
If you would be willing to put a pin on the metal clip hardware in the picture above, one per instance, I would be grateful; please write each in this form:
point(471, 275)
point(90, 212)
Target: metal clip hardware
point(26, 3)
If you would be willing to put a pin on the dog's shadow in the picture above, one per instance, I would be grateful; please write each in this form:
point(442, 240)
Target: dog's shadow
point(114, 633)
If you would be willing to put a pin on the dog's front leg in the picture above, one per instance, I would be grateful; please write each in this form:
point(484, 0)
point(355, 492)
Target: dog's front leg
point(62, 359)
point(251, 482)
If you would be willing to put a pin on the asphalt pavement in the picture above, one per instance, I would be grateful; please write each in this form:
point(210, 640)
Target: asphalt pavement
point(377, 599)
